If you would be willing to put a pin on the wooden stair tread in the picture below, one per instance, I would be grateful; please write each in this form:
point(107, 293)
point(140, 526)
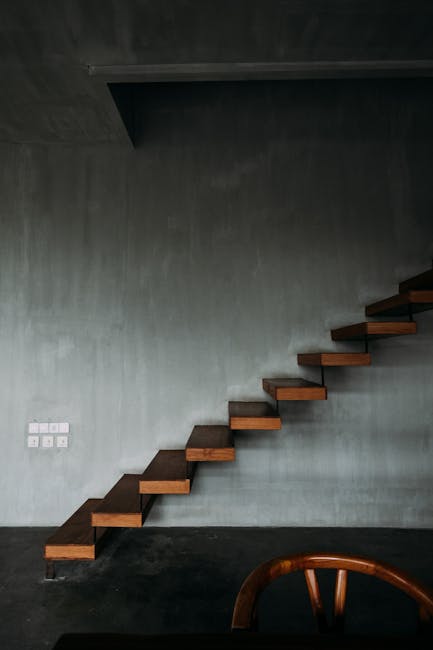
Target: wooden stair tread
point(294, 389)
point(123, 506)
point(421, 281)
point(253, 415)
point(373, 330)
point(210, 443)
point(401, 304)
point(76, 539)
point(168, 473)
point(334, 359)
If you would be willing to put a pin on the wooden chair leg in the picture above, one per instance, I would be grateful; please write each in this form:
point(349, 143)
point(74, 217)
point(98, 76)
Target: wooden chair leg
point(340, 600)
point(316, 600)
point(424, 622)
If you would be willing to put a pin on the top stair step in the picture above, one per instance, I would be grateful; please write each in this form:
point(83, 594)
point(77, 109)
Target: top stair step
point(421, 282)
point(76, 539)
point(168, 473)
point(210, 443)
point(294, 389)
point(402, 304)
point(373, 330)
point(122, 506)
point(253, 415)
point(334, 359)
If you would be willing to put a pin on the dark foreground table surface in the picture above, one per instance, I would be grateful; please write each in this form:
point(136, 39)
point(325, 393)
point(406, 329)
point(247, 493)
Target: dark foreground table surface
point(236, 641)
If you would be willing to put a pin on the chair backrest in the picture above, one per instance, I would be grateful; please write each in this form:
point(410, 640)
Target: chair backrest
point(245, 609)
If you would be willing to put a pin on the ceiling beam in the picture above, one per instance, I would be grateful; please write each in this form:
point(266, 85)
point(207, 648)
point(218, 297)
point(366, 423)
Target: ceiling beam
point(147, 73)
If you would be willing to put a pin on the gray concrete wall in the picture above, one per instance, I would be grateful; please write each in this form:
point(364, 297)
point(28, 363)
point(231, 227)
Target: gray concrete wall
point(141, 290)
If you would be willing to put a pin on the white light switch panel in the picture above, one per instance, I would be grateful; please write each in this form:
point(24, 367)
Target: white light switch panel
point(33, 441)
point(63, 427)
point(53, 427)
point(33, 427)
point(62, 442)
point(47, 441)
point(43, 427)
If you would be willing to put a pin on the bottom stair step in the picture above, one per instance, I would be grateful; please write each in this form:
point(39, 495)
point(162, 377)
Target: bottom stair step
point(123, 506)
point(253, 415)
point(76, 539)
point(210, 443)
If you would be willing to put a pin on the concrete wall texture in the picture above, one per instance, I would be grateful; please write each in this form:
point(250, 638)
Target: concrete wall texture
point(141, 290)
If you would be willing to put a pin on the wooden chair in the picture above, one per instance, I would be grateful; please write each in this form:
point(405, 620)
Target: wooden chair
point(245, 609)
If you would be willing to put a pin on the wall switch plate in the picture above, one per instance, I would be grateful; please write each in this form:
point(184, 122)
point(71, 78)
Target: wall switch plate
point(33, 427)
point(43, 427)
point(53, 427)
point(63, 427)
point(33, 441)
point(47, 441)
point(62, 442)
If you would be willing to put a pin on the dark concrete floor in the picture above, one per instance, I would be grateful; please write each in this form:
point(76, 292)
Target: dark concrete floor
point(164, 580)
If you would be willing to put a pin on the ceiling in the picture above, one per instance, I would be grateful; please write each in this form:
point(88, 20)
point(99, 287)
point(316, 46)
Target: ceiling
point(47, 46)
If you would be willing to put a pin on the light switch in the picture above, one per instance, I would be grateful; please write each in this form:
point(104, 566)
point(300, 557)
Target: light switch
point(53, 427)
point(63, 427)
point(47, 441)
point(33, 427)
point(62, 442)
point(33, 441)
point(43, 427)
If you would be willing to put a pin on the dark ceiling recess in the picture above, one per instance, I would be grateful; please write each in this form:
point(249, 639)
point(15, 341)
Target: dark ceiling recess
point(123, 80)
point(123, 96)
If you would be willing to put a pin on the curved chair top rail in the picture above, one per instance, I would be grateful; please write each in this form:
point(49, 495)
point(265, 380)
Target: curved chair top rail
point(246, 601)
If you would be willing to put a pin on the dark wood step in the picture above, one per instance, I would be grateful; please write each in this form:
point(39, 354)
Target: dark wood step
point(419, 282)
point(210, 443)
point(168, 473)
point(253, 415)
point(294, 389)
point(123, 506)
point(76, 539)
point(334, 359)
point(373, 330)
point(402, 304)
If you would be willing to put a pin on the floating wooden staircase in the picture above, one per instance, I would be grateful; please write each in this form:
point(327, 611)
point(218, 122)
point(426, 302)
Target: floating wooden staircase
point(402, 304)
point(371, 330)
point(253, 415)
point(122, 507)
point(168, 473)
point(335, 359)
point(210, 443)
point(287, 389)
point(128, 503)
point(421, 282)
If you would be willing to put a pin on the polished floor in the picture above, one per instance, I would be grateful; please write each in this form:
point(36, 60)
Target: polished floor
point(185, 580)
